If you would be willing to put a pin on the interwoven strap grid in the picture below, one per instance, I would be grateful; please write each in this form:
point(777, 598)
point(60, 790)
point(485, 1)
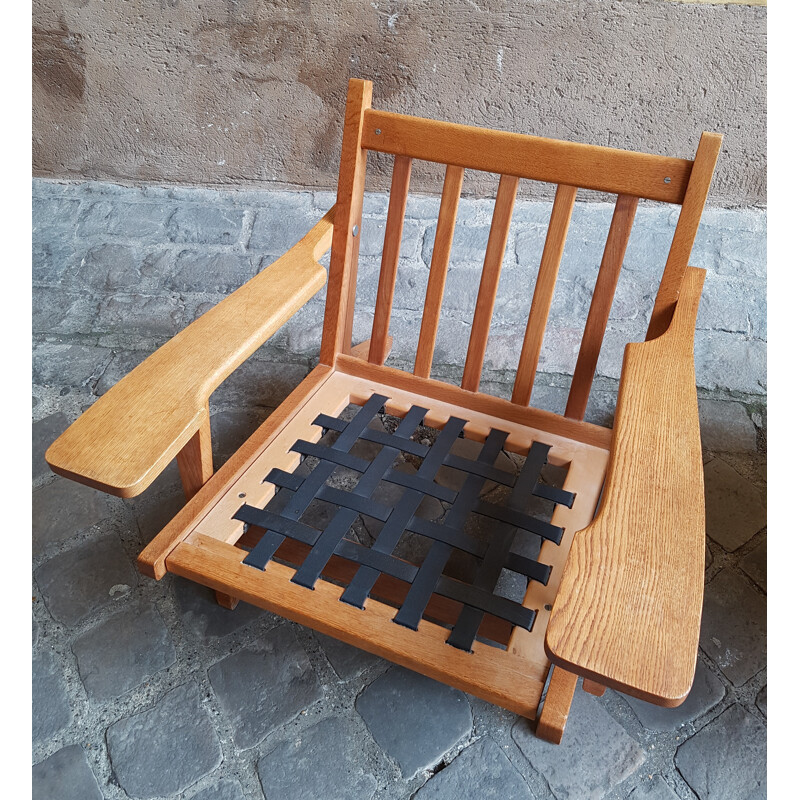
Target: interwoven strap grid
point(477, 598)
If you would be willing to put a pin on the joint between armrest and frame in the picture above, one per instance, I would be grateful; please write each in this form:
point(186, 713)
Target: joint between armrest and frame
point(627, 612)
point(125, 440)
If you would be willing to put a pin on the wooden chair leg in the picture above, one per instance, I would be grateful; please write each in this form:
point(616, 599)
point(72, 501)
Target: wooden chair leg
point(195, 462)
point(196, 466)
point(226, 600)
point(555, 710)
point(597, 689)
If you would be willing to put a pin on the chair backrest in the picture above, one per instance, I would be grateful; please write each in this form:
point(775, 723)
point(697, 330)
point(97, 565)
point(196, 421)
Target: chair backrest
point(570, 166)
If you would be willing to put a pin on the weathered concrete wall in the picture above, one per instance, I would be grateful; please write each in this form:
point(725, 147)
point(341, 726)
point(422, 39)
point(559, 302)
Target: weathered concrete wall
point(252, 92)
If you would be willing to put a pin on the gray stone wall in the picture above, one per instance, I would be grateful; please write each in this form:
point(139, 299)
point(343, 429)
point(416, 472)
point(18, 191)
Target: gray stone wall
point(252, 92)
point(118, 270)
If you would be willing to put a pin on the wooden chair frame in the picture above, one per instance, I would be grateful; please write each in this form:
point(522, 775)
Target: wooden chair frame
point(622, 606)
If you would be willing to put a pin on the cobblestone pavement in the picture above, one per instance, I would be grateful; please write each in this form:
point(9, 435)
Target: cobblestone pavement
point(149, 689)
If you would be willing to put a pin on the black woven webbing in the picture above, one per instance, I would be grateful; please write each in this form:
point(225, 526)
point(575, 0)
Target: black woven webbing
point(478, 598)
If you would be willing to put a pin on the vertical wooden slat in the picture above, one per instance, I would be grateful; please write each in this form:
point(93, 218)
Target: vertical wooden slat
point(401, 175)
point(445, 228)
point(543, 293)
point(599, 310)
point(689, 220)
point(337, 330)
point(490, 277)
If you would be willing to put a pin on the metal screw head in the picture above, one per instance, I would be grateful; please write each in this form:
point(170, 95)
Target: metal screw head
point(667, 180)
point(355, 230)
point(377, 131)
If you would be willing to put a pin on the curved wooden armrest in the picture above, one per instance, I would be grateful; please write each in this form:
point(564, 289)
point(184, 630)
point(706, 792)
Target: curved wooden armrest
point(627, 612)
point(124, 441)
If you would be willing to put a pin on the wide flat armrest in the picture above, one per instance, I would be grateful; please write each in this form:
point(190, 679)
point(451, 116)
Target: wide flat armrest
point(124, 441)
point(627, 611)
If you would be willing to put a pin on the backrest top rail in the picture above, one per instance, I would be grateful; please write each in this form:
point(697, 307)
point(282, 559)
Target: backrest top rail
point(604, 169)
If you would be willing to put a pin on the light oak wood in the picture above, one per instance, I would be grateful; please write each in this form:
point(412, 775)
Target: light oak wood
point(449, 395)
point(587, 463)
point(151, 559)
point(361, 350)
point(445, 228)
point(556, 706)
point(195, 460)
point(605, 169)
point(543, 293)
point(600, 308)
point(401, 175)
point(126, 439)
point(494, 675)
point(490, 278)
point(387, 589)
point(592, 687)
point(226, 600)
point(685, 232)
point(337, 330)
point(627, 613)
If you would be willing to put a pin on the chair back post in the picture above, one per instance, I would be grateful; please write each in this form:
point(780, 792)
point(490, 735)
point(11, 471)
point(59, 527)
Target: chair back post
point(685, 231)
point(337, 330)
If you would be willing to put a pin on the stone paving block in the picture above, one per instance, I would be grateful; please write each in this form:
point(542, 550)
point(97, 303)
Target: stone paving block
point(51, 708)
point(204, 618)
point(726, 427)
point(373, 231)
point(482, 770)
point(261, 383)
point(68, 364)
point(721, 305)
point(197, 271)
point(165, 749)
point(222, 790)
point(85, 579)
point(264, 685)
point(594, 756)
point(731, 362)
point(156, 507)
point(147, 315)
point(50, 261)
point(755, 564)
point(129, 220)
point(733, 631)
point(735, 509)
point(54, 212)
point(231, 429)
point(275, 230)
point(727, 760)
point(205, 225)
point(34, 633)
point(123, 651)
point(655, 789)
point(322, 761)
point(415, 719)
point(346, 660)
point(706, 692)
point(44, 433)
point(761, 701)
point(56, 311)
point(62, 509)
point(109, 267)
point(66, 775)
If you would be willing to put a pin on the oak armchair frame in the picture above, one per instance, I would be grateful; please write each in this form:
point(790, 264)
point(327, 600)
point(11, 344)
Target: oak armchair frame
point(622, 604)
